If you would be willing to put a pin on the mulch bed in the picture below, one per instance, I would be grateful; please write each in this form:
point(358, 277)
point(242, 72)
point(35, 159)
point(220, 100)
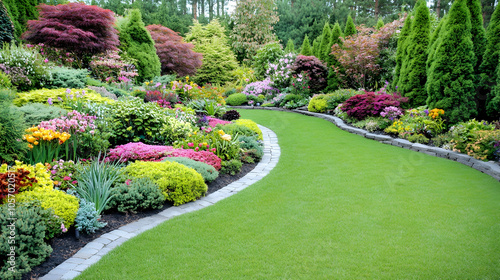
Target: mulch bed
point(67, 245)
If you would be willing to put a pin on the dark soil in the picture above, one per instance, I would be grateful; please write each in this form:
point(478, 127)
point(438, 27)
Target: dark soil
point(66, 245)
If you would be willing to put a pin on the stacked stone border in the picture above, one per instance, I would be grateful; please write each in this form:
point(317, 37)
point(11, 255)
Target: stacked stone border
point(491, 168)
point(93, 251)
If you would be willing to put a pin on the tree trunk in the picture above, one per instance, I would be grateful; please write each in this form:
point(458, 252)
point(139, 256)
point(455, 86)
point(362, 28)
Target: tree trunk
point(376, 9)
point(438, 8)
point(202, 13)
point(210, 9)
point(218, 8)
point(222, 7)
point(195, 8)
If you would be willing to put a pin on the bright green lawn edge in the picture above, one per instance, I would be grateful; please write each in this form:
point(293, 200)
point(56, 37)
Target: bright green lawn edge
point(337, 206)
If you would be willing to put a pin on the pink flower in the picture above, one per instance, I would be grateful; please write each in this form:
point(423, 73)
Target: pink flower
point(63, 228)
point(74, 182)
point(66, 178)
point(53, 171)
point(128, 182)
point(197, 149)
point(190, 145)
point(46, 60)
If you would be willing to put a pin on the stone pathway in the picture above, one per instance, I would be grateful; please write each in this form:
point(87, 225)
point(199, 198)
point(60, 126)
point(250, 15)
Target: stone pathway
point(93, 251)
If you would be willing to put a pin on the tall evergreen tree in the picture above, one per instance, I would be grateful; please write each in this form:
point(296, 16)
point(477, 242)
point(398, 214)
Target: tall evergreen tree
point(137, 42)
point(290, 46)
point(490, 61)
point(380, 23)
point(6, 26)
point(315, 46)
point(493, 105)
point(434, 42)
point(401, 49)
point(478, 31)
point(331, 60)
point(350, 28)
point(306, 47)
point(326, 37)
point(451, 79)
point(415, 73)
point(20, 12)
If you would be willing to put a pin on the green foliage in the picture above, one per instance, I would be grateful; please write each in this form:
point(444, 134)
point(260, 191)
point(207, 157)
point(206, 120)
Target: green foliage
point(136, 195)
point(34, 113)
point(95, 181)
point(451, 82)
point(64, 77)
point(42, 95)
point(175, 129)
point(6, 26)
point(380, 23)
point(233, 129)
point(306, 47)
point(206, 171)
point(331, 60)
point(401, 53)
point(434, 42)
point(290, 46)
point(418, 138)
point(252, 125)
point(317, 105)
point(490, 63)
point(350, 28)
point(251, 147)
point(417, 45)
point(269, 53)
point(20, 11)
point(178, 183)
point(137, 42)
point(315, 46)
point(324, 47)
point(24, 228)
point(5, 81)
point(136, 121)
point(323, 102)
point(478, 32)
point(63, 204)
point(11, 128)
point(53, 223)
point(236, 99)
point(87, 218)
point(218, 59)
point(231, 167)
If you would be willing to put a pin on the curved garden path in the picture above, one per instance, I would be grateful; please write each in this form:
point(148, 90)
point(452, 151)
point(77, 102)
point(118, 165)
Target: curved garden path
point(336, 206)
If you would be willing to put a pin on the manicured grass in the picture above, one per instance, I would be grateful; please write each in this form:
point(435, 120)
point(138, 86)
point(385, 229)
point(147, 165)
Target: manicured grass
point(337, 206)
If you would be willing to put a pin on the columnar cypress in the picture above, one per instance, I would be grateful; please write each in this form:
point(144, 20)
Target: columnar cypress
point(137, 42)
point(315, 46)
point(6, 26)
point(415, 73)
point(331, 60)
point(290, 46)
point(490, 61)
point(478, 31)
point(306, 47)
point(401, 49)
point(325, 42)
point(493, 106)
point(451, 80)
point(350, 28)
point(435, 41)
point(380, 23)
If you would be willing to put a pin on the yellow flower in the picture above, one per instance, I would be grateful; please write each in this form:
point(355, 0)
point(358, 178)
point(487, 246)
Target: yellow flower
point(37, 134)
point(30, 139)
point(226, 137)
point(36, 143)
point(30, 146)
point(221, 132)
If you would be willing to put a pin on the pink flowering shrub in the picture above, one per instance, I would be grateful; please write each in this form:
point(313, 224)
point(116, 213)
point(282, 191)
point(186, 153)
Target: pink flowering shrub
point(111, 68)
point(73, 123)
point(391, 112)
point(361, 106)
point(261, 87)
point(213, 122)
point(140, 151)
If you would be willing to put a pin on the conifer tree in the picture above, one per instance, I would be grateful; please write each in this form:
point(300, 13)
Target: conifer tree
point(20, 12)
point(315, 46)
point(331, 60)
point(451, 80)
point(493, 105)
point(350, 28)
point(6, 26)
point(434, 42)
point(415, 74)
point(380, 23)
point(478, 31)
point(138, 43)
point(306, 47)
point(290, 46)
point(325, 42)
point(401, 49)
point(490, 61)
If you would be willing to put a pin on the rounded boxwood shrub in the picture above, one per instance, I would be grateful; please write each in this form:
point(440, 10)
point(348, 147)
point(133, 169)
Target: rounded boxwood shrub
point(207, 171)
point(252, 125)
point(137, 194)
point(178, 183)
point(236, 99)
point(318, 104)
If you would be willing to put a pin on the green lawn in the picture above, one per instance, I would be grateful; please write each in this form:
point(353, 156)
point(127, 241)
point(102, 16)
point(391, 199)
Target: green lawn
point(337, 206)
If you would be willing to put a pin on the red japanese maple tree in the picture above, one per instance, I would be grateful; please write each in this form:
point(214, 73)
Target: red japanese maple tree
point(175, 55)
point(75, 27)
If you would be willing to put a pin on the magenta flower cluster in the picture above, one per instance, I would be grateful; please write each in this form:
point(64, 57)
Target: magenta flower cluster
point(391, 112)
point(73, 123)
point(260, 87)
point(141, 151)
point(213, 122)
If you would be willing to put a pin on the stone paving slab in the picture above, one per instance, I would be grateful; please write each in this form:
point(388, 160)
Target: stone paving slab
point(93, 251)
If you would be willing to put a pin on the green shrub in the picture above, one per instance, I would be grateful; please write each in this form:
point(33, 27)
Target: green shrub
point(233, 129)
point(11, 128)
point(136, 121)
point(64, 77)
point(87, 218)
point(207, 171)
point(30, 248)
point(251, 147)
point(418, 138)
point(231, 167)
point(165, 79)
point(34, 113)
point(252, 125)
point(441, 140)
point(64, 205)
point(137, 42)
point(138, 194)
point(269, 53)
point(53, 223)
point(317, 104)
point(290, 97)
point(236, 99)
point(175, 129)
point(42, 95)
point(178, 183)
point(5, 81)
